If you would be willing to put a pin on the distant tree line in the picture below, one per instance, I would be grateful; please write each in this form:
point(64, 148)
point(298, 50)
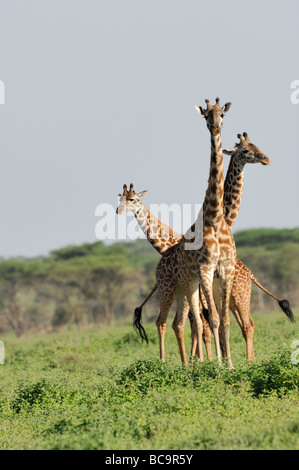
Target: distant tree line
point(95, 284)
point(273, 257)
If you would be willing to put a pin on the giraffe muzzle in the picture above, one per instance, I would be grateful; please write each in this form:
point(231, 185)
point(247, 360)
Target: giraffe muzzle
point(265, 160)
point(215, 130)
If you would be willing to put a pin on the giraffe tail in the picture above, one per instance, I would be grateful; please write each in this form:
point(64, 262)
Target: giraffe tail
point(137, 324)
point(285, 306)
point(137, 316)
point(283, 303)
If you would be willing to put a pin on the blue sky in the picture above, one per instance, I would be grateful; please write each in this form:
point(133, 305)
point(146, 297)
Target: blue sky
point(102, 93)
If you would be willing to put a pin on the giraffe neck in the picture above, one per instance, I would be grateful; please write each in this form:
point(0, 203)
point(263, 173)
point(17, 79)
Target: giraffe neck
point(158, 234)
point(213, 203)
point(233, 190)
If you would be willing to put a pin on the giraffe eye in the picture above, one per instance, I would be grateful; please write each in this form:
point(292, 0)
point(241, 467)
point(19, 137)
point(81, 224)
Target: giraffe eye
point(131, 200)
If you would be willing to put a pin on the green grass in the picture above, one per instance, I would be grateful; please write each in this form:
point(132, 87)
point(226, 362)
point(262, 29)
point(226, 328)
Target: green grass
point(104, 389)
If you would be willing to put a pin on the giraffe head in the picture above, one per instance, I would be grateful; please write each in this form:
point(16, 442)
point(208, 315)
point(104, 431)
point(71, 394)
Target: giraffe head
point(246, 152)
point(129, 200)
point(213, 115)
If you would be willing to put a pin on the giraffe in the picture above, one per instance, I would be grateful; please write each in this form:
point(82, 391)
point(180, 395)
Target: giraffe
point(181, 268)
point(233, 190)
point(161, 238)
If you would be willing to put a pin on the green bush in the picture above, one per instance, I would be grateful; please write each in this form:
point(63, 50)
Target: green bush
point(30, 395)
point(275, 374)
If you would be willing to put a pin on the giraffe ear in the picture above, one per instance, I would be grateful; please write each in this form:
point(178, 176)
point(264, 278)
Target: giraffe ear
point(200, 110)
point(142, 193)
point(229, 151)
point(226, 107)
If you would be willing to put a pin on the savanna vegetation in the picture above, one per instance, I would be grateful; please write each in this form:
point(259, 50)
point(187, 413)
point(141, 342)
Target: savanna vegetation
point(102, 388)
point(71, 381)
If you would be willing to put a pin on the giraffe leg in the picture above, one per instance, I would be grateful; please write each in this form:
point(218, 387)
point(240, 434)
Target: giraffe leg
point(207, 338)
point(193, 333)
point(218, 302)
point(240, 306)
point(207, 335)
point(206, 277)
point(249, 328)
point(226, 285)
point(241, 312)
point(191, 290)
point(166, 300)
point(179, 321)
